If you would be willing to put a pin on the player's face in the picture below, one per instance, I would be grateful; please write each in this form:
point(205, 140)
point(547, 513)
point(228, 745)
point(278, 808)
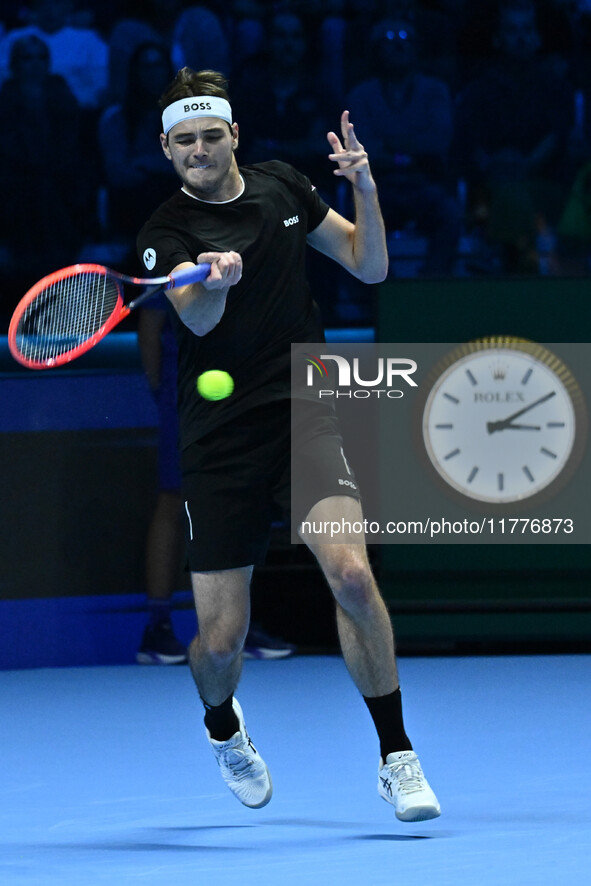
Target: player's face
point(202, 154)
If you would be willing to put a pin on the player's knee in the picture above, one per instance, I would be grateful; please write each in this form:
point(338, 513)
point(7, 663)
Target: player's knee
point(222, 648)
point(353, 585)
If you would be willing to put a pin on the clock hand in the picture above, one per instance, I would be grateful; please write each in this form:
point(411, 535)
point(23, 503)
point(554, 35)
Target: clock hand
point(493, 426)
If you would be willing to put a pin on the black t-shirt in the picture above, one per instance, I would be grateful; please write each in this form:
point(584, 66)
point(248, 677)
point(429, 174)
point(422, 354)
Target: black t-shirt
point(266, 311)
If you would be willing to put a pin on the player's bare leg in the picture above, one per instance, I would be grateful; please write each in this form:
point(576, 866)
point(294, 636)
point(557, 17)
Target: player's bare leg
point(365, 629)
point(367, 642)
point(222, 601)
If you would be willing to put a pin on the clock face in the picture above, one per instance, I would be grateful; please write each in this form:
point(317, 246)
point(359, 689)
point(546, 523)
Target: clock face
point(500, 423)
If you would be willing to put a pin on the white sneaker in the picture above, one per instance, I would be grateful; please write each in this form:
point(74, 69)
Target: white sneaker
point(242, 767)
point(401, 782)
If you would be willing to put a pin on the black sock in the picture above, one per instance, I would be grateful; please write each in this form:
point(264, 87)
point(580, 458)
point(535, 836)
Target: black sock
point(220, 720)
point(386, 712)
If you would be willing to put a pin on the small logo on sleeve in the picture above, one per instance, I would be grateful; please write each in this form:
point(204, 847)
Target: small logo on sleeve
point(291, 221)
point(149, 258)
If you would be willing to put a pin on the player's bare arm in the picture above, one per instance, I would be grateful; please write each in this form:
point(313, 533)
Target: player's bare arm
point(201, 305)
point(359, 247)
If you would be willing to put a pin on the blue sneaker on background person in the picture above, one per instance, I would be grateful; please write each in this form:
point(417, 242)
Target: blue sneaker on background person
point(160, 646)
point(259, 644)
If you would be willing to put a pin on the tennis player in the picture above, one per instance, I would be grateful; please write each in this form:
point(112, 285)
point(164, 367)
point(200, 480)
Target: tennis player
point(252, 224)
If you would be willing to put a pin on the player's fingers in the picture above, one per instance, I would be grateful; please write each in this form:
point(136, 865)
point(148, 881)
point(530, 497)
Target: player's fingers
point(215, 274)
point(231, 262)
point(359, 165)
point(353, 143)
point(234, 267)
point(215, 256)
point(210, 258)
point(346, 126)
point(335, 142)
point(350, 139)
point(225, 266)
point(350, 162)
point(350, 156)
point(230, 267)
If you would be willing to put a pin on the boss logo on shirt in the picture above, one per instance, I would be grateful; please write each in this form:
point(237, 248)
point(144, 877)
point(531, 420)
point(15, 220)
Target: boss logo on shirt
point(291, 221)
point(197, 106)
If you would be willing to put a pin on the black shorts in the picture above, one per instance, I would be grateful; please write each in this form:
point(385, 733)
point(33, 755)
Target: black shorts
point(237, 482)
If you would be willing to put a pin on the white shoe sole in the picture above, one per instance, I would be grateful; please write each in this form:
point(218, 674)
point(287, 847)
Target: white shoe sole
point(153, 658)
point(264, 802)
point(418, 813)
point(266, 654)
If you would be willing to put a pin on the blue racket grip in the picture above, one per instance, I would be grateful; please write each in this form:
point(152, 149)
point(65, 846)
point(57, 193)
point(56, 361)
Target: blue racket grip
point(188, 275)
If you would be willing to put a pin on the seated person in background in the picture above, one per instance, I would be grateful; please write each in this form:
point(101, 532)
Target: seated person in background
point(245, 23)
point(46, 199)
point(280, 97)
point(136, 173)
point(512, 126)
point(199, 37)
point(78, 54)
point(407, 121)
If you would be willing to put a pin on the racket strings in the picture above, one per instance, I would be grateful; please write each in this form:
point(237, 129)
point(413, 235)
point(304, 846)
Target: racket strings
point(65, 314)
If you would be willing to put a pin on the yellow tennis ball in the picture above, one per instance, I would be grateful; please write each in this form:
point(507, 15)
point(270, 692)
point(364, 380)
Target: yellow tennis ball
point(215, 384)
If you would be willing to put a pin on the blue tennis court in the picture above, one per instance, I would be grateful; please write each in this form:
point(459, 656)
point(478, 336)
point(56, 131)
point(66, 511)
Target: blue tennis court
point(107, 777)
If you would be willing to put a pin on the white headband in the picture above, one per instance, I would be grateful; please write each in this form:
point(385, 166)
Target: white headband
point(195, 106)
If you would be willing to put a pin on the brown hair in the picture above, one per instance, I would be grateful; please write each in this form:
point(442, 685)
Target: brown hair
point(189, 82)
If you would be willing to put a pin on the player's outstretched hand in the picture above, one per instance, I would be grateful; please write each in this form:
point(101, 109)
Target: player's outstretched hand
point(350, 156)
point(226, 269)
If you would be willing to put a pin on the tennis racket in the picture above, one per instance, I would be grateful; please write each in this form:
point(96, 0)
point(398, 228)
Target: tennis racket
point(68, 312)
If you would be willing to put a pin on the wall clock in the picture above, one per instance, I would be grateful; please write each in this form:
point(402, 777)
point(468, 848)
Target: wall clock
point(504, 422)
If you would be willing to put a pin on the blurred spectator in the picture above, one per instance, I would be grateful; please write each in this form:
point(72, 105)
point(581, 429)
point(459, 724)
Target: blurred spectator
point(512, 127)
point(284, 114)
point(476, 24)
point(573, 246)
point(45, 205)
point(138, 177)
point(283, 105)
point(437, 26)
point(78, 54)
point(247, 31)
point(11, 16)
point(200, 41)
point(405, 120)
point(574, 227)
point(579, 57)
point(125, 37)
point(350, 53)
point(331, 41)
point(194, 36)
